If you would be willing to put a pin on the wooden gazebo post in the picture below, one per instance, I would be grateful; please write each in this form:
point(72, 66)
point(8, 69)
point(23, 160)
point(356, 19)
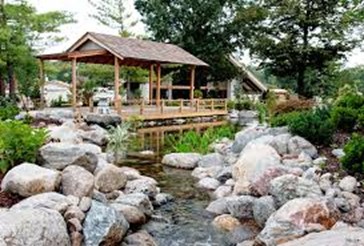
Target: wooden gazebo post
point(74, 84)
point(41, 83)
point(151, 84)
point(158, 85)
point(192, 82)
point(117, 98)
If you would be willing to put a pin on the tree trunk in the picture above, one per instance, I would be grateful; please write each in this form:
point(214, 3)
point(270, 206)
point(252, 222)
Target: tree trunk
point(2, 87)
point(11, 79)
point(301, 82)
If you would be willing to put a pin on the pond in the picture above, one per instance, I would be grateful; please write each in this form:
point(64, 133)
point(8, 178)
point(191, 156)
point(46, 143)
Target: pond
point(184, 222)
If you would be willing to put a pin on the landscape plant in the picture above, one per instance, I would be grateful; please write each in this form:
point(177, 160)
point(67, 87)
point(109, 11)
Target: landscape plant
point(19, 143)
point(353, 161)
point(8, 108)
point(118, 140)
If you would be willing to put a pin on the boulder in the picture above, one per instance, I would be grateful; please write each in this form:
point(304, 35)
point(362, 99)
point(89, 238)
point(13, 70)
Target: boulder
point(325, 182)
point(224, 174)
point(49, 200)
point(162, 198)
point(104, 225)
point(211, 160)
point(223, 191)
point(95, 135)
point(139, 238)
point(200, 173)
point(142, 185)
point(218, 206)
point(240, 207)
point(348, 184)
point(74, 212)
point(182, 160)
point(226, 222)
point(251, 165)
point(103, 120)
point(29, 179)
point(66, 133)
point(77, 181)
point(29, 227)
point(60, 155)
point(208, 184)
point(288, 187)
point(338, 153)
point(298, 144)
point(130, 173)
point(350, 236)
point(297, 218)
point(280, 143)
point(85, 204)
point(242, 138)
point(110, 178)
point(132, 214)
point(263, 208)
point(138, 200)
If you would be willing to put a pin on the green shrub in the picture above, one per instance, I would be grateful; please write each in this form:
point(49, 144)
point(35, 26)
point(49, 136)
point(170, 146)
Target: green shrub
point(118, 140)
point(57, 103)
point(19, 143)
point(283, 119)
point(231, 104)
point(197, 94)
point(350, 100)
point(345, 118)
point(353, 161)
point(8, 108)
point(244, 104)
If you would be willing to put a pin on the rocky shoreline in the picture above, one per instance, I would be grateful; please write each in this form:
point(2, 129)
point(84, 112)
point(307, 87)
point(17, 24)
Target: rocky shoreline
point(268, 176)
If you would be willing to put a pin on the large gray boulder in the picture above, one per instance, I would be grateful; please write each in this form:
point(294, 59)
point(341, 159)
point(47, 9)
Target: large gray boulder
point(110, 178)
point(211, 160)
point(103, 120)
point(218, 206)
point(66, 133)
point(240, 207)
point(288, 187)
point(29, 227)
point(77, 181)
point(132, 214)
point(298, 144)
point(208, 183)
point(297, 218)
point(348, 184)
point(104, 225)
point(182, 160)
point(138, 200)
point(242, 138)
point(142, 185)
point(280, 143)
point(60, 155)
point(139, 238)
point(49, 200)
point(263, 208)
point(29, 179)
point(95, 135)
point(349, 236)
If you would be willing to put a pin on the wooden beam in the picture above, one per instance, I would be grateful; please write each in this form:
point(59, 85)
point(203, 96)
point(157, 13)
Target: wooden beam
point(74, 84)
point(173, 87)
point(117, 98)
point(88, 53)
point(151, 83)
point(41, 83)
point(158, 84)
point(192, 82)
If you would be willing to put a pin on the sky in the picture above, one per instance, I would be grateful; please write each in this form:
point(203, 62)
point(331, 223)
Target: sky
point(82, 9)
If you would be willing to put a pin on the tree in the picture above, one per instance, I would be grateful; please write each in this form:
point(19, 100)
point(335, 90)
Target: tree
point(302, 40)
point(21, 30)
point(202, 27)
point(112, 13)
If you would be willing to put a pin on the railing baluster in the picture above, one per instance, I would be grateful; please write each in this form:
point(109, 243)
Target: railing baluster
point(162, 106)
point(180, 105)
point(142, 107)
point(212, 105)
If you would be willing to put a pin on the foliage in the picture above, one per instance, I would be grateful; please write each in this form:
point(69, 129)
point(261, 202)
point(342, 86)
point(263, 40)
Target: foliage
point(345, 118)
point(193, 141)
point(19, 143)
point(8, 108)
point(262, 112)
point(244, 104)
point(293, 104)
point(231, 105)
point(300, 40)
point(353, 161)
point(314, 125)
point(118, 139)
point(57, 103)
point(197, 94)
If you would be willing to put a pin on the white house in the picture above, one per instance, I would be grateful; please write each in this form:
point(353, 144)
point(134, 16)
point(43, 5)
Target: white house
point(54, 90)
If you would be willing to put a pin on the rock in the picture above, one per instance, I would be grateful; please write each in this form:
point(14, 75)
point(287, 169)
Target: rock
point(253, 162)
point(138, 200)
point(130, 173)
point(76, 238)
point(211, 160)
point(242, 138)
point(29, 179)
point(110, 178)
point(103, 120)
point(297, 218)
point(298, 144)
point(246, 243)
point(312, 174)
point(162, 199)
point(280, 143)
point(350, 236)
point(50, 200)
point(225, 174)
point(140, 238)
point(141, 185)
point(230, 182)
point(226, 222)
point(303, 161)
point(200, 173)
point(338, 153)
point(222, 146)
point(353, 199)
point(77, 181)
point(223, 191)
point(29, 227)
point(74, 200)
point(85, 204)
point(208, 184)
point(114, 194)
point(104, 225)
point(66, 133)
point(320, 161)
point(74, 224)
point(74, 212)
point(132, 214)
point(288, 187)
point(60, 155)
point(348, 184)
point(182, 160)
point(95, 135)
point(332, 192)
point(99, 196)
point(240, 207)
point(342, 204)
point(263, 208)
point(325, 182)
point(218, 207)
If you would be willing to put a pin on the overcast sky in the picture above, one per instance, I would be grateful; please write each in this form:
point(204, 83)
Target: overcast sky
point(82, 9)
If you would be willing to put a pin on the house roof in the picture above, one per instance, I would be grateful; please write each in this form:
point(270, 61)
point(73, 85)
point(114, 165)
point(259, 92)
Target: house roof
point(131, 52)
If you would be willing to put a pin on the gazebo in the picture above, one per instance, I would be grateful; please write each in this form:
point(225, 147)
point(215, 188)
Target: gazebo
point(113, 50)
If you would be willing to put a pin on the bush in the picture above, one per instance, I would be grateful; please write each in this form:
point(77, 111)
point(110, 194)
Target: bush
point(350, 100)
point(353, 161)
point(197, 94)
point(345, 118)
point(19, 143)
point(57, 103)
point(244, 104)
point(8, 108)
point(292, 105)
point(314, 125)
